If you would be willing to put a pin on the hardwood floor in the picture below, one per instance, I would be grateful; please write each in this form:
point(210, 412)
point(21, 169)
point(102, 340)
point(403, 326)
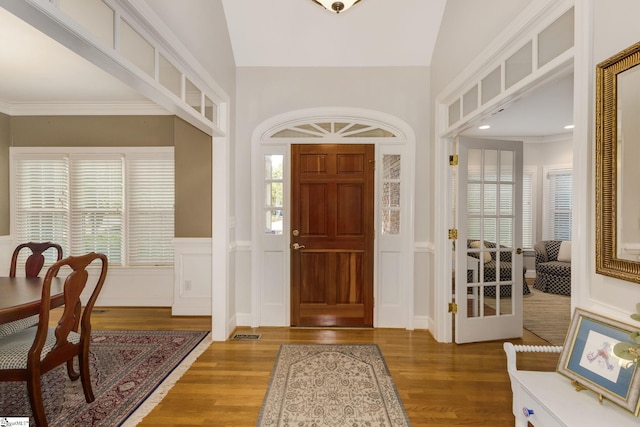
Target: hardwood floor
point(439, 384)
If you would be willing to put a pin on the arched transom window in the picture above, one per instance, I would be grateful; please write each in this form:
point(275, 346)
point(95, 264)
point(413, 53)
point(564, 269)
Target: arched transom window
point(332, 129)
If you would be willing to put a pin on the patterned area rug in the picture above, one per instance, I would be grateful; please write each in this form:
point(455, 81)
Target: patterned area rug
point(331, 385)
point(126, 368)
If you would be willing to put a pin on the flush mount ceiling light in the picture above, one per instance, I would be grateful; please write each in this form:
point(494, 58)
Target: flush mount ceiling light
point(483, 127)
point(336, 6)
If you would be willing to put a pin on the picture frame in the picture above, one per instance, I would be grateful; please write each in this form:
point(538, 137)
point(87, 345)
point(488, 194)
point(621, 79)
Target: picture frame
point(587, 359)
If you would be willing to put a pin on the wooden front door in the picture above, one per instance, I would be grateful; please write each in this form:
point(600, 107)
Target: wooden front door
point(332, 232)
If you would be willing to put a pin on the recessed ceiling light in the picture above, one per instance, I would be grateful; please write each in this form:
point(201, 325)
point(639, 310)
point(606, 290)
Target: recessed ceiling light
point(483, 127)
point(568, 127)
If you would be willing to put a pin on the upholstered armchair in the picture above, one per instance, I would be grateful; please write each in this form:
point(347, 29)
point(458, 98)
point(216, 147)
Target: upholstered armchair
point(490, 266)
point(553, 266)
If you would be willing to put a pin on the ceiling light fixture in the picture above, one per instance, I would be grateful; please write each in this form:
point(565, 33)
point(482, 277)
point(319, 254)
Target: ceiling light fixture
point(568, 127)
point(483, 127)
point(336, 6)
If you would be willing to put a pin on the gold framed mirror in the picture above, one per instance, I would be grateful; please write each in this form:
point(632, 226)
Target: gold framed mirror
point(617, 177)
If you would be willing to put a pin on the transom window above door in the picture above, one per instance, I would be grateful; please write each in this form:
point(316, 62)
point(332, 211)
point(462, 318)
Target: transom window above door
point(335, 129)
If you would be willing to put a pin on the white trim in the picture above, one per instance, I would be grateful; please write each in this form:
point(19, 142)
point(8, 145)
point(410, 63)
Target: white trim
point(583, 230)
point(46, 17)
point(538, 15)
point(224, 316)
point(404, 136)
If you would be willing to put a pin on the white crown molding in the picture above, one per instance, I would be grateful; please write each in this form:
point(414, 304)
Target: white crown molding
point(83, 109)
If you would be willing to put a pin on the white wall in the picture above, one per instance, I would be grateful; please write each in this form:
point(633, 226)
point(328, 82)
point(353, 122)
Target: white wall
point(265, 92)
point(615, 27)
point(540, 155)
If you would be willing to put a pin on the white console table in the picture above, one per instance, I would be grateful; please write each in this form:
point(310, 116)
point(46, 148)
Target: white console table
point(549, 399)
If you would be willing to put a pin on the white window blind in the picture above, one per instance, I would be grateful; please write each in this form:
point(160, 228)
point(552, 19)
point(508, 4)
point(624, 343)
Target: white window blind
point(474, 203)
point(118, 202)
point(150, 187)
point(41, 202)
point(97, 203)
point(528, 207)
point(558, 201)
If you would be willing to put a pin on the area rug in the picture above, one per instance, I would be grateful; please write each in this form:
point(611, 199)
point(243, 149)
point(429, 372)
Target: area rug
point(331, 385)
point(130, 372)
point(547, 315)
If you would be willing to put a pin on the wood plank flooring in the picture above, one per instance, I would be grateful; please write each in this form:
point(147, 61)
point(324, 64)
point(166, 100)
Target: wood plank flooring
point(440, 385)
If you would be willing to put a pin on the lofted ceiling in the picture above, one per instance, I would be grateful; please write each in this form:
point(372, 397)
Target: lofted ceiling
point(36, 71)
point(300, 33)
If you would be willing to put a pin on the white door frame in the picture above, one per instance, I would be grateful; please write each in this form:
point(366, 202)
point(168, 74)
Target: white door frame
point(523, 29)
point(270, 287)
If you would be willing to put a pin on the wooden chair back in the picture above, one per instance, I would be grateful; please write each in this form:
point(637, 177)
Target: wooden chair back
point(35, 261)
point(54, 346)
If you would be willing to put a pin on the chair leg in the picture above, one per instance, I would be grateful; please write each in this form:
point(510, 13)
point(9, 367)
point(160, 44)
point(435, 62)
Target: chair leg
point(85, 377)
point(34, 388)
point(73, 375)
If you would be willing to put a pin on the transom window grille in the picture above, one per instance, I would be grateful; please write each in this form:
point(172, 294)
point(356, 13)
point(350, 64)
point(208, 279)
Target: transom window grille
point(333, 129)
point(120, 203)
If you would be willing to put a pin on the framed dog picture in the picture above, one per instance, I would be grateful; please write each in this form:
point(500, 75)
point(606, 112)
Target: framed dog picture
point(587, 358)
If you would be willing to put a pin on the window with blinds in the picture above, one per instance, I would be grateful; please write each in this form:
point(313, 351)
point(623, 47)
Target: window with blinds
point(528, 206)
point(558, 200)
point(119, 202)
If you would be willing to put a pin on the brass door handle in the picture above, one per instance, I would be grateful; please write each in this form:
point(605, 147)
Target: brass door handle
point(297, 246)
point(519, 251)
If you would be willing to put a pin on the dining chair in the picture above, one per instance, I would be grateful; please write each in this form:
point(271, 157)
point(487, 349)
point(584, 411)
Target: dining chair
point(35, 260)
point(32, 352)
point(33, 266)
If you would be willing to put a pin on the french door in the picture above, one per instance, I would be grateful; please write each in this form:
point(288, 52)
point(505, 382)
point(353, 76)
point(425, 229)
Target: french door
point(488, 258)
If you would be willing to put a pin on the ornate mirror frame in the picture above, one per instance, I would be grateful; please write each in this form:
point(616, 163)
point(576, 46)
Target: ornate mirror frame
point(607, 260)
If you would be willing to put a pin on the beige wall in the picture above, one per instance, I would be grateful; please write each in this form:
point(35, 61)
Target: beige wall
point(4, 174)
point(192, 153)
point(193, 181)
point(107, 131)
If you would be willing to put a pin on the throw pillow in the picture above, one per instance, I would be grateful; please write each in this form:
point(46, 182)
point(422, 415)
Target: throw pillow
point(486, 256)
point(564, 254)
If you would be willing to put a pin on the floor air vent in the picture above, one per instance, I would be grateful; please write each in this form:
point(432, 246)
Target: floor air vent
point(245, 337)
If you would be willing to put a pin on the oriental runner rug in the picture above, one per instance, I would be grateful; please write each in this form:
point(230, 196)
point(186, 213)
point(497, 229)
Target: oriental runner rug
point(131, 371)
point(328, 385)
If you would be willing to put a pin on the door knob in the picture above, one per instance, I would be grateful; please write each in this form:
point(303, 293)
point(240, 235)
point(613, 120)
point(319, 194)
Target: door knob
point(519, 251)
point(297, 246)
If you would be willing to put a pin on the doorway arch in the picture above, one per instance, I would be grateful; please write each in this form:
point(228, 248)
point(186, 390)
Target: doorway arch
point(394, 142)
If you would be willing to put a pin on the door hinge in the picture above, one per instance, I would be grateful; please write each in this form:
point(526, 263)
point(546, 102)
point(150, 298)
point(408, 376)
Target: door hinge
point(453, 234)
point(453, 160)
point(453, 308)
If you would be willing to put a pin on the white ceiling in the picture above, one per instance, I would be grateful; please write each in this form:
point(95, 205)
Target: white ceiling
point(300, 33)
point(34, 70)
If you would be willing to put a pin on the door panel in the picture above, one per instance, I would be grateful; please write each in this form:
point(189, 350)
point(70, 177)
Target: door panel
point(332, 235)
point(489, 274)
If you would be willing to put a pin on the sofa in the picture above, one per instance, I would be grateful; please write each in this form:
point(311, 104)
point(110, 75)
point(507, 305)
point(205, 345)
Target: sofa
point(490, 266)
point(553, 266)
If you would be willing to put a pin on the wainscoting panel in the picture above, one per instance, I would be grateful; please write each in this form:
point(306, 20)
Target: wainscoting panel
point(192, 285)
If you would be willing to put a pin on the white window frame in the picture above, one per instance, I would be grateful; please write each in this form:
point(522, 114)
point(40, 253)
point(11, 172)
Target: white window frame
point(546, 202)
point(16, 153)
point(532, 172)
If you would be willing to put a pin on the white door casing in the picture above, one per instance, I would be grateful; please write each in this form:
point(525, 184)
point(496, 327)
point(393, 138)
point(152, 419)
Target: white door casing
point(393, 258)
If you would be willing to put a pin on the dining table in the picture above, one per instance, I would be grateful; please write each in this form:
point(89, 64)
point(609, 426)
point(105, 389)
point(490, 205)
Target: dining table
point(21, 297)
